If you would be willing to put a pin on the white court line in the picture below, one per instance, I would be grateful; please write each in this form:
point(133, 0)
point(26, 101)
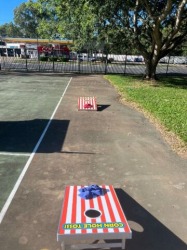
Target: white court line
point(14, 154)
point(16, 186)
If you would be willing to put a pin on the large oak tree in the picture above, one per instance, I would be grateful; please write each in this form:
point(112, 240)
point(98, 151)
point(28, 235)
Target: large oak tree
point(153, 27)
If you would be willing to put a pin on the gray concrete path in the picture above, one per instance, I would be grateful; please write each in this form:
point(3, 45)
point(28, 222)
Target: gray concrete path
point(115, 145)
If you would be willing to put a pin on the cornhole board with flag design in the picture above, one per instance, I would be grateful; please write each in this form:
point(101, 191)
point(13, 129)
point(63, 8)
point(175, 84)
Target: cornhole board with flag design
point(108, 223)
point(87, 103)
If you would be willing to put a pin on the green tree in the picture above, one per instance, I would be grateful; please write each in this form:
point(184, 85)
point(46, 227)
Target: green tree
point(154, 28)
point(70, 19)
point(10, 30)
point(47, 20)
point(27, 19)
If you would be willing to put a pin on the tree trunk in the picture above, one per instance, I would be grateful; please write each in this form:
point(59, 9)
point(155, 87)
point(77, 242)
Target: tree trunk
point(150, 69)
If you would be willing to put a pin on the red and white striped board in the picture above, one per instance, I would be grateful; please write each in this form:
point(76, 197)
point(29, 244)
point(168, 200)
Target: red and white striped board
point(87, 103)
point(74, 223)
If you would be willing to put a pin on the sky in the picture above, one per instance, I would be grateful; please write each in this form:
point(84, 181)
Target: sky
point(7, 10)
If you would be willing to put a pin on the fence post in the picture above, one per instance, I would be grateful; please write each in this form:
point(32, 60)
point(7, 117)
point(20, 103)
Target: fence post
point(26, 60)
point(106, 63)
point(167, 66)
point(38, 55)
point(125, 63)
point(53, 62)
point(79, 61)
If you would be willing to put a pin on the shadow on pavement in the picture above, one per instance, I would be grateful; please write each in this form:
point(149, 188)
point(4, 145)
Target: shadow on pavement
point(23, 136)
point(101, 107)
point(147, 232)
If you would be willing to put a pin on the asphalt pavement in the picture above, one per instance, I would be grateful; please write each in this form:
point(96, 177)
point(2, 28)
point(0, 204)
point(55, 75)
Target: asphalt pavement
point(115, 145)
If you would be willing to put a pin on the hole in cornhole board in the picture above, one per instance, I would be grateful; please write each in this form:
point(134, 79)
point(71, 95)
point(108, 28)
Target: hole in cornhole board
point(87, 103)
point(92, 213)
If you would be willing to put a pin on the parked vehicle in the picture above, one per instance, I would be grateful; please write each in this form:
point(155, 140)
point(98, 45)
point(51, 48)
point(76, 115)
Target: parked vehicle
point(92, 59)
point(174, 60)
point(180, 60)
point(82, 58)
point(138, 59)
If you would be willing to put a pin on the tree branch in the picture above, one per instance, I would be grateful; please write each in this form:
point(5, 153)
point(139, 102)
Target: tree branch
point(176, 26)
point(166, 11)
point(135, 16)
point(146, 3)
point(179, 14)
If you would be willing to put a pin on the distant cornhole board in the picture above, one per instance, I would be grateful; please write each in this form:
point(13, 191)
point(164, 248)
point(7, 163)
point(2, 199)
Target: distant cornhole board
point(87, 103)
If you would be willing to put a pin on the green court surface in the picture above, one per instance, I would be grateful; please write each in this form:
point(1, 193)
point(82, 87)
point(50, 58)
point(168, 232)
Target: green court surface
point(10, 169)
point(27, 103)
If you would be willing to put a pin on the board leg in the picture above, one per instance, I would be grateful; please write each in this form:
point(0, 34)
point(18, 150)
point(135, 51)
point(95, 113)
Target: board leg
point(123, 244)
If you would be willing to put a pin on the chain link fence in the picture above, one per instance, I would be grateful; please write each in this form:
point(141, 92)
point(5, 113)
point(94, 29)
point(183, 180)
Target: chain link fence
point(97, 63)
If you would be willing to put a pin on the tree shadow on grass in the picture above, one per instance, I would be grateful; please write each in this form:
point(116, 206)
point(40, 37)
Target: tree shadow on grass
point(174, 81)
point(147, 232)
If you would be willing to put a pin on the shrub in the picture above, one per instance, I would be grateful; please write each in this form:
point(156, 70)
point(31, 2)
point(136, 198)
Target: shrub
point(43, 58)
point(53, 59)
point(62, 59)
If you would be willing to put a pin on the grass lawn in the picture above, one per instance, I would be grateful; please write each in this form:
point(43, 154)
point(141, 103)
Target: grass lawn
point(165, 101)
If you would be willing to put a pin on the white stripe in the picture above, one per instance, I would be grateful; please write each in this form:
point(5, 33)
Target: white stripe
point(78, 210)
point(16, 186)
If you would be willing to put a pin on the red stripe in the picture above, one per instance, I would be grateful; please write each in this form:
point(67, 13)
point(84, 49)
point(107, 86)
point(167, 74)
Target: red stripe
point(113, 219)
point(119, 209)
point(74, 208)
point(64, 210)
